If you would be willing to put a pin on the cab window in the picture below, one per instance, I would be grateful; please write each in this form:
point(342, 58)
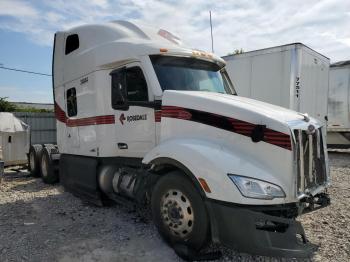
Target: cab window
point(136, 85)
point(72, 43)
point(72, 108)
point(128, 84)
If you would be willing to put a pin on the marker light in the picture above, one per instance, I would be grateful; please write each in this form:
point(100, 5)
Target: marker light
point(204, 185)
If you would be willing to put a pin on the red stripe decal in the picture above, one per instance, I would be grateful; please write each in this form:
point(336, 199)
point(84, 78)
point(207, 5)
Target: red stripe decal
point(157, 115)
point(230, 124)
point(60, 114)
point(88, 121)
point(227, 123)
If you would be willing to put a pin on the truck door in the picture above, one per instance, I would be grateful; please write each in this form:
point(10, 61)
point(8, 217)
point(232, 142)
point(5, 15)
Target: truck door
point(134, 112)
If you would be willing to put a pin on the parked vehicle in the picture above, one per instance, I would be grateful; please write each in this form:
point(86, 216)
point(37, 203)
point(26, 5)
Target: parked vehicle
point(142, 118)
point(339, 105)
point(292, 76)
point(14, 140)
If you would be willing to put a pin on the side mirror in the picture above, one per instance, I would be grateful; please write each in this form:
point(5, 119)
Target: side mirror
point(119, 95)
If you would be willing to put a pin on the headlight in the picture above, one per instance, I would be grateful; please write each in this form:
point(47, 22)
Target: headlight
point(254, 188)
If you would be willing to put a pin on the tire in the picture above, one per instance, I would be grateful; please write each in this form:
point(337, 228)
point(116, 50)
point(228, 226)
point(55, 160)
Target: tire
point(189, 225)
point(48, 173)
point(34, 157)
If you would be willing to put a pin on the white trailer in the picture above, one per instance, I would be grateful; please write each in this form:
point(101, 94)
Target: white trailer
point(140, 117)
point(339, 105)
point(292, 76)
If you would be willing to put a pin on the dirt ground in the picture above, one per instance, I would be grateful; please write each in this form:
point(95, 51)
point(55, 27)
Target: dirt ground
point(40, 222)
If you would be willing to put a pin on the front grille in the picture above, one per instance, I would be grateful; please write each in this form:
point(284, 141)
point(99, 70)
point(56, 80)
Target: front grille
point(310, 155)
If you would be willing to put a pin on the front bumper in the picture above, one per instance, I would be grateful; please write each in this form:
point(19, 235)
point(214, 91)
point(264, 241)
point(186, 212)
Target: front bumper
point(262, 232)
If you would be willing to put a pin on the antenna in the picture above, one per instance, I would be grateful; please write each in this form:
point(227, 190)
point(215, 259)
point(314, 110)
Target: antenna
point(211, 34)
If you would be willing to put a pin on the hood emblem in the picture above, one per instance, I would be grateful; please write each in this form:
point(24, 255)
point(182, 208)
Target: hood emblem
point(311, 129)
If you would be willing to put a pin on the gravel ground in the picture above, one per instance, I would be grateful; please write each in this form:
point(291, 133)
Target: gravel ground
point(40, 222)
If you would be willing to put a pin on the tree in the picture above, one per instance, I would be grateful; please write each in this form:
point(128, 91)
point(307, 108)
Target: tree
point(6, 106)
point(33, 110)
point(236, 52)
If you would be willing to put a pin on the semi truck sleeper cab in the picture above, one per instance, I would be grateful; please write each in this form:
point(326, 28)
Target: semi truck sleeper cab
point(141, 117)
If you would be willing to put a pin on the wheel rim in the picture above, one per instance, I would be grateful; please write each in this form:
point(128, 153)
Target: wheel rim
point(177, 213)
point(31, 161)
point(43, 166)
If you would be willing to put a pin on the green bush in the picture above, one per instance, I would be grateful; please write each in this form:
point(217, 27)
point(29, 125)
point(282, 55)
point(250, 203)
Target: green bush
point(6, 106)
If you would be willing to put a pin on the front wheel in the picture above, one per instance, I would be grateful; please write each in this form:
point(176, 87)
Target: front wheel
point(179, 211)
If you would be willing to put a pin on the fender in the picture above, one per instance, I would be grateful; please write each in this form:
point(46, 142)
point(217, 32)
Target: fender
point(172, 162)
point(208, 160)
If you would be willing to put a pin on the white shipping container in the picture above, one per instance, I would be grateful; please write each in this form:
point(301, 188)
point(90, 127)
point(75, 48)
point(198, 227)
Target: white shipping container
point(292, 76)
point(339, 104)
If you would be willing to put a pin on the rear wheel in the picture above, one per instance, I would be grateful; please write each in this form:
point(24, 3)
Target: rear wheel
point(179, 212)
point(48, 172)
point(34, 160)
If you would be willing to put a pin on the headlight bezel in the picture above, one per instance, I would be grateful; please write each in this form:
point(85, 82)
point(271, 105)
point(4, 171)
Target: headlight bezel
point(237, 180)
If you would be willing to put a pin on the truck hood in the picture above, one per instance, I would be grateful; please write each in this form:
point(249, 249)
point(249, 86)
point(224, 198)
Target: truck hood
point(240, 108)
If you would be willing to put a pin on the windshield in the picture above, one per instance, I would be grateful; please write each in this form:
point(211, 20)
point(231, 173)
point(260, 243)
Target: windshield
point(190, 74)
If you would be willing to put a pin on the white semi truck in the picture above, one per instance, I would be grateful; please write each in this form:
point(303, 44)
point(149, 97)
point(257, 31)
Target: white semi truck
point(141, 117)
point(293, 76)
point(338, 135)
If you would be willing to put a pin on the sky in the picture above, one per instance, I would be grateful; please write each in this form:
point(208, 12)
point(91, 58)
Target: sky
point(27, 29)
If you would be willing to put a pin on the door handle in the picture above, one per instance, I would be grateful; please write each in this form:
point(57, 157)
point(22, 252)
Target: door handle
point(122, 146)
